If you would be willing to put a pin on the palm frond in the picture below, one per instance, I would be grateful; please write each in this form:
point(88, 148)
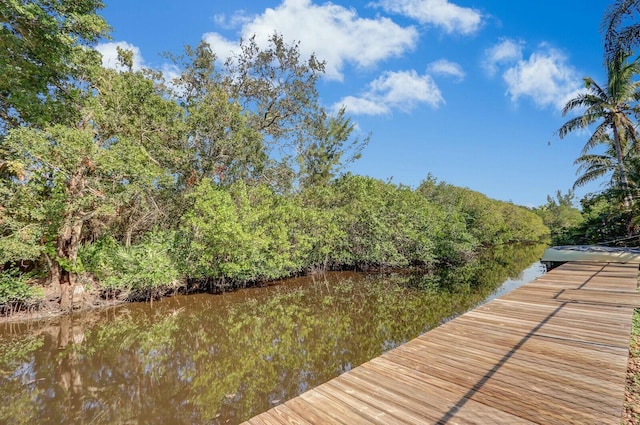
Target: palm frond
point(593, 160)
point(627, 39)
point(594, 90)
point(577, 123)
point(617, 40)
point(588, 177)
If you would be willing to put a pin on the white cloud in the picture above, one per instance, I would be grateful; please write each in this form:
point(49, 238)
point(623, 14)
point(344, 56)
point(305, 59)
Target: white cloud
point(401, 90)
point(363, 106)
point(222, 47)
point(546, 78)
point(440, 13)
point(334, 33)
point(109, 52)
point(446, 68)
point(507, 51)
point(236, 20)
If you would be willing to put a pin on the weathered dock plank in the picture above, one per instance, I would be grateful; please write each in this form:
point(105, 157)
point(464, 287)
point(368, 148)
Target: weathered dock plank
point(554, 351)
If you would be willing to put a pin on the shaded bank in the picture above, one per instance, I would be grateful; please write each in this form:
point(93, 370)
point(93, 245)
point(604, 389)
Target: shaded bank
point(224, 358)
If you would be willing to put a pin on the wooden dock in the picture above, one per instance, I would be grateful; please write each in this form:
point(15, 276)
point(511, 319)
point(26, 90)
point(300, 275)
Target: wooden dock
point(554, 351)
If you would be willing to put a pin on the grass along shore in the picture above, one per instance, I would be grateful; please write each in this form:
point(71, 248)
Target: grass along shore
point(631, 414)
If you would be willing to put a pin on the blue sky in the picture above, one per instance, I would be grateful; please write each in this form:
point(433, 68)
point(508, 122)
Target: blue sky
point(470, 91)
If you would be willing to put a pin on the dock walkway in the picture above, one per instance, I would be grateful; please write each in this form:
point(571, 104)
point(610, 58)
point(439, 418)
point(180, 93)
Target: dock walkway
point(553, 351)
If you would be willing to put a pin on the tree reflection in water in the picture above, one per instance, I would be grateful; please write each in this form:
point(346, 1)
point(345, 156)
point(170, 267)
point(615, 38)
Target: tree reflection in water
point(224, 358)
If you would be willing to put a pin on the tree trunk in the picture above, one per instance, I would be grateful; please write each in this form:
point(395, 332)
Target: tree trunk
point(54, 271)
point(628, 199)
point(62, 270)
point(67, 244)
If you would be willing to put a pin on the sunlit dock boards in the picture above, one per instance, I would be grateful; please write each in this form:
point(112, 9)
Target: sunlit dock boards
point(554, 351)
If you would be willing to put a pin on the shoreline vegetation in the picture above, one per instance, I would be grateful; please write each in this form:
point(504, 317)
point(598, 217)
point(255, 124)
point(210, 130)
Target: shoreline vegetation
point(120, 184)
point(240, 236)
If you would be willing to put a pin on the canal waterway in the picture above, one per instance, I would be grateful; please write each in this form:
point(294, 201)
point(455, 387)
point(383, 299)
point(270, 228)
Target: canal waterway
point(223, 358)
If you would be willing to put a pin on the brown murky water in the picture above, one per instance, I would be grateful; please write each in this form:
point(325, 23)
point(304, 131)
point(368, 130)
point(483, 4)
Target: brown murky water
point(220, 359)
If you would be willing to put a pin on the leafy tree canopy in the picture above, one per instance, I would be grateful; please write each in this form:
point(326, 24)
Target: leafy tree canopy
point(43, 44)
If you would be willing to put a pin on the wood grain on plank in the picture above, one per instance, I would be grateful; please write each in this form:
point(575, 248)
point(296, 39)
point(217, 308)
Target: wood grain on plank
point(553, 351)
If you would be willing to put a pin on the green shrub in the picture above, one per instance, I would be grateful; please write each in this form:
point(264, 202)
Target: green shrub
point(15, 293)
point(138, 272)
point(245, 233)
point(384, 225)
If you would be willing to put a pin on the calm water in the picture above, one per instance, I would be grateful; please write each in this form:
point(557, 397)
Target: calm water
point(221, 359)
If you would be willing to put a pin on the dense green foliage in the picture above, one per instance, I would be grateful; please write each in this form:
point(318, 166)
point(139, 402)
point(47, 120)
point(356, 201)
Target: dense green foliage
point(232, 174)
point(142, 271)
point(561, 217)
point(42, 46)
point(488, 221)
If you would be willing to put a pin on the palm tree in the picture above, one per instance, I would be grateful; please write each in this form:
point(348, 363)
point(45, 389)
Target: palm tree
point(611, 109)
point(620, 36)
point(595, 166)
